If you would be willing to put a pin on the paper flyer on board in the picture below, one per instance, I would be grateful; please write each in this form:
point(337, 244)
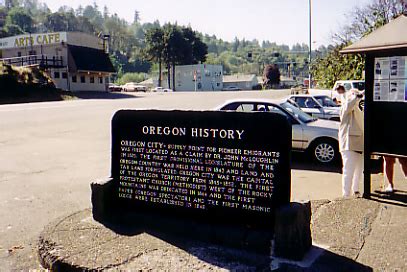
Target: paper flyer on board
point(382, 68)
point(381, 90)
point(397, 67)
point(397, 90)
point(390, 79)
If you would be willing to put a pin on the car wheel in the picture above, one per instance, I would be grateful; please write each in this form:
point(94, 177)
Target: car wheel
point(325, 151)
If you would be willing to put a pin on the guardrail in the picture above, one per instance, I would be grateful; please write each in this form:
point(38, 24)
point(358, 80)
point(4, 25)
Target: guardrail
point(43, 61)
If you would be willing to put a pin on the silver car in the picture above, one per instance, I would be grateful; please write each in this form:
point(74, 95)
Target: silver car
point(321, 107)
point(317, 137)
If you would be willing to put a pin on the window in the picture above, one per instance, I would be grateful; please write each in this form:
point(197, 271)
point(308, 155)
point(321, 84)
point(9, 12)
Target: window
point(32, 53)
point(100, 80)
point(64, 75)
point(306, 102)
point(92, 79)
point(19, 54)
point(56, 75)
point(347, 86)
point(359, 85)
point(106, 79)
point(74, 79)
point(246, 107)
point(83, 79)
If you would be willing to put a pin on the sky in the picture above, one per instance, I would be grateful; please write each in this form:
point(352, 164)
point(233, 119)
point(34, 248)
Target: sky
point(280, 21)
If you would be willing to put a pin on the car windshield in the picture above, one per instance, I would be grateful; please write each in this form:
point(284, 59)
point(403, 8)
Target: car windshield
point(299, 114)
point(326, 101)
point(359, 85)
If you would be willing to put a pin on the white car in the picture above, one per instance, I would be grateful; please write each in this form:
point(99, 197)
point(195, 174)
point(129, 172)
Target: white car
point(231, 88)
point(358, 85)
point(317, 106)
point(133, 87)
point(319, 138)
point(162, 90)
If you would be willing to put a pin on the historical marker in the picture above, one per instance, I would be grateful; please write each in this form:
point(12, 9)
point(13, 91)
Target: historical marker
point(224, 167)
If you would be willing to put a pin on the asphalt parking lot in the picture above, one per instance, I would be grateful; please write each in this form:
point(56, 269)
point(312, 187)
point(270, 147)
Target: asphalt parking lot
point(51, 152)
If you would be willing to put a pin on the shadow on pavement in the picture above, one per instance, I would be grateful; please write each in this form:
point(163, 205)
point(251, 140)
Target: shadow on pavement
point(183, 235)
point(233, 259)
point(398, 197)
point(319, 259)
point(301, 161)
point(330, 261)
point(104, 95)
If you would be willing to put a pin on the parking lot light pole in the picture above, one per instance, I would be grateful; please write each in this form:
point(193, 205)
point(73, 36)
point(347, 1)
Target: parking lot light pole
point(310, 47)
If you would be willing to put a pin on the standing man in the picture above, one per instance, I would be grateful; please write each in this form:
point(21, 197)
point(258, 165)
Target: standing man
point(351, 140)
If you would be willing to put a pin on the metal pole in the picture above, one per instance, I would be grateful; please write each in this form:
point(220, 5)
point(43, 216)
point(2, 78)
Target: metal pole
point(310, 47)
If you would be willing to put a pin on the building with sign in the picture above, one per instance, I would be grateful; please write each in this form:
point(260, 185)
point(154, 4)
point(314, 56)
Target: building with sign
point(198, 77)
point(75, 61)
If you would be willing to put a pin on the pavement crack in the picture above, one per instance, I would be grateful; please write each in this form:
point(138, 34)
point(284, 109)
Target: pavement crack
point(369, 229)
point(128, 260)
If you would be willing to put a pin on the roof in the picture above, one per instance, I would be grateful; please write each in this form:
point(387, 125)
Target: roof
point(390, 36)
point(91, 59)
point(239, 78)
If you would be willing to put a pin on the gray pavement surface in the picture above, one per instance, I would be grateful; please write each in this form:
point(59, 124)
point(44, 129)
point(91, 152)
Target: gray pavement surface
point(350, 235)
point(50, 152)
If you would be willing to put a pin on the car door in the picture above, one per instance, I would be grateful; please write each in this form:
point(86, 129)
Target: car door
point(308, 105)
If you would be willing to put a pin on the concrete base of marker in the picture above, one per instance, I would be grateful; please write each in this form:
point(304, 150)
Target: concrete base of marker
point(292, 231)
point(102, 192)
point(114, 218)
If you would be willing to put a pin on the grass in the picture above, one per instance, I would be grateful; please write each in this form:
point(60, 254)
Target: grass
point(28, 84)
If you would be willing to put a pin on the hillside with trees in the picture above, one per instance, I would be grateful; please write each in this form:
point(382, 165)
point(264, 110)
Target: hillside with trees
point(132, 44)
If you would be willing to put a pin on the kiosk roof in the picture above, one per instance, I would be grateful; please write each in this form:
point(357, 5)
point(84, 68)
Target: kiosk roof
point(390, 36)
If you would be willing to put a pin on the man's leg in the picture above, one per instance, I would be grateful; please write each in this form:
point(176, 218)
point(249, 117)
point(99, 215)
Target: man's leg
point(357, 176)
point(388, 166)
point(347, 172)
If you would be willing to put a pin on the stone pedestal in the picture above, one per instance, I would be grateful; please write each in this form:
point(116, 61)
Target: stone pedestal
point(102, 198)
point(292, 231)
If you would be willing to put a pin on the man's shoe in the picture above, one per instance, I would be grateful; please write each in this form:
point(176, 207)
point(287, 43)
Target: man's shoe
point(389, 189)
point(357, 194)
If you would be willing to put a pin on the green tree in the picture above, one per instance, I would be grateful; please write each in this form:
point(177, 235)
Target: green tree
point(336, 66)
point(20, 20)
point(271, 76)
point(199, 50)
point(175, 50)
point(56, 22)
point(154, 40)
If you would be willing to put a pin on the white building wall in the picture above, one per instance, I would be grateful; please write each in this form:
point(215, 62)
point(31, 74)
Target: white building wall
point(208, 78)
point(73, 81)
point(244, 85)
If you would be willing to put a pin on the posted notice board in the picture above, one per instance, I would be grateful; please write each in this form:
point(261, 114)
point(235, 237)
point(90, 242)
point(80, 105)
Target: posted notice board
point(390, 79)
point(387, 111)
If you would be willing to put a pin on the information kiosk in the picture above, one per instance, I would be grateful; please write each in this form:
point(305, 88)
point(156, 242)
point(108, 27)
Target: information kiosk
point(385, 51)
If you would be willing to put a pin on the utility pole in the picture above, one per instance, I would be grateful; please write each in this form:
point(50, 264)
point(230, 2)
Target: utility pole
point(310, 47)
